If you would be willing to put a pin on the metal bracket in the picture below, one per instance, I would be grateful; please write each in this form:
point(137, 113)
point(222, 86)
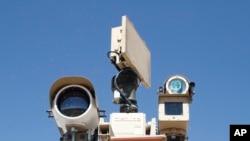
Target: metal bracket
point(102, 113)
point(50, 114)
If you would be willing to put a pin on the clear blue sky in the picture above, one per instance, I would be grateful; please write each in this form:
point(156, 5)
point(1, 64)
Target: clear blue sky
point(206, 41)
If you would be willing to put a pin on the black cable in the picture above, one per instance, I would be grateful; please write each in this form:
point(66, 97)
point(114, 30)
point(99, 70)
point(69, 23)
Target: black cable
point(121, 92)
point(114, 61)
point(130, 107)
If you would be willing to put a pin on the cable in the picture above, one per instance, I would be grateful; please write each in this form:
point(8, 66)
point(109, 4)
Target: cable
point(109, 52)
point(112, 60)
point(130, 106)
point(120, 91)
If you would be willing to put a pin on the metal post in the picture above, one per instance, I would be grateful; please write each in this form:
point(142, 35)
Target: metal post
point(73, 133)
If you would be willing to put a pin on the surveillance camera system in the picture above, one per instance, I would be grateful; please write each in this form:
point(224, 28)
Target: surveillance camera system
point(74, 106)
point(173, 106)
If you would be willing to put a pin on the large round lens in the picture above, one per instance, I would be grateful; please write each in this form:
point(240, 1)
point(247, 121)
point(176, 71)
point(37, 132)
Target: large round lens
point(73, 101)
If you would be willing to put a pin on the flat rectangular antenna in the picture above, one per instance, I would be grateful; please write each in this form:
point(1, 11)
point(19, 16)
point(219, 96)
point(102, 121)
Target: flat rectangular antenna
point(126, 40)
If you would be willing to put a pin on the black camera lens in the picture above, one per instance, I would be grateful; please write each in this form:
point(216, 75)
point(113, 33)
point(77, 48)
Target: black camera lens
point(73, 101)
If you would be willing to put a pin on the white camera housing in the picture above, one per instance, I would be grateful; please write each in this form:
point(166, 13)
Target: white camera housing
point(135, 55)
point(176, 118)
point(173, 105)
point(74, 104)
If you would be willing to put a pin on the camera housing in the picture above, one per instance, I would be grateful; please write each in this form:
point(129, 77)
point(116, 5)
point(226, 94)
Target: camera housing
point(173, 106)
point(74, 104)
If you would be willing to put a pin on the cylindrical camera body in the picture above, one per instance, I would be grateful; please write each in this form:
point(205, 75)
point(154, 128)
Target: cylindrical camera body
point(74, 104)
